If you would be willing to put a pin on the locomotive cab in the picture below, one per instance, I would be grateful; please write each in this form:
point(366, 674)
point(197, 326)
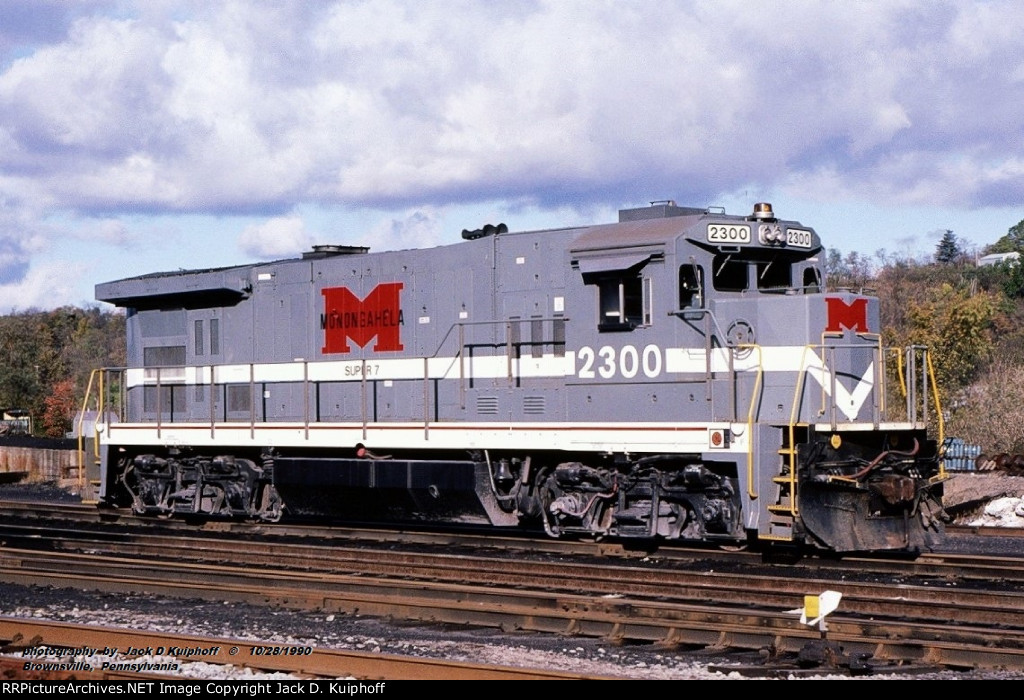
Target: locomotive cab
point(766, 363)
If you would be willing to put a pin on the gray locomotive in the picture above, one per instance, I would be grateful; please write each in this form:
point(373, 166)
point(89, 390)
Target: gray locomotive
point(681, 374)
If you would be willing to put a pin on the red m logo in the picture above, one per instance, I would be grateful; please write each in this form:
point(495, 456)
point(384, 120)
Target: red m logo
point(852, 316)
point(346, 317)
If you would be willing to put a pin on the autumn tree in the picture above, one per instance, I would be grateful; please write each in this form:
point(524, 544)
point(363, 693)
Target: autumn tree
point(59, 409)
point(956, 323)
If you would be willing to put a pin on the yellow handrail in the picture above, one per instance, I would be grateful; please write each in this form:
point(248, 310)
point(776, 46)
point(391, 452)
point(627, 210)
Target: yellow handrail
point(938, 412)
point(750, 421)
point(899, 372)
point(81, 426)
point(791, 427)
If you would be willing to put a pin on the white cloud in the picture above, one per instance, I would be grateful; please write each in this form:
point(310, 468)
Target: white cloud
point(408, 108)
point(280, 236)
point(415, 229)
point(43, 286)
point(240, 105)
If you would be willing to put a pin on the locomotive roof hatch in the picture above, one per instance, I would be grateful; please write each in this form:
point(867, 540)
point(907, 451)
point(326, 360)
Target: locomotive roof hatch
point(659, 209)
point(320, 252)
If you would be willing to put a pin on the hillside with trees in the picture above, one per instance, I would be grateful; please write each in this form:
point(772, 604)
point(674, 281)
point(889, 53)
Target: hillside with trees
point(47, 358)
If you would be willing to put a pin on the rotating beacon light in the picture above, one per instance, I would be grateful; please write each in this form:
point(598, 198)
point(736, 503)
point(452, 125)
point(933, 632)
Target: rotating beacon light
point(769, 231)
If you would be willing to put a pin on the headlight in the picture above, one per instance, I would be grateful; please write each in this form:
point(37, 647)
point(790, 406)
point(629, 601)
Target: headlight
point(770, 234)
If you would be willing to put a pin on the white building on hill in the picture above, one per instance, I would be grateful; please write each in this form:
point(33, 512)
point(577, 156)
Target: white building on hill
point(996, 258)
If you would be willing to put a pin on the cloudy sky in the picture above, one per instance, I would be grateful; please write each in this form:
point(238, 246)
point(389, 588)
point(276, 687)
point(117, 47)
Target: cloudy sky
point(147, 135)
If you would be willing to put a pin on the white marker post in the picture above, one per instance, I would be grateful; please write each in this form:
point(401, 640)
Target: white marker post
point(817, 607)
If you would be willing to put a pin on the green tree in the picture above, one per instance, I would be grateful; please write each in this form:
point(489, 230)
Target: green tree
point(1011, 242)
point(20, 373)
point(948, 250)
point(1009, 275)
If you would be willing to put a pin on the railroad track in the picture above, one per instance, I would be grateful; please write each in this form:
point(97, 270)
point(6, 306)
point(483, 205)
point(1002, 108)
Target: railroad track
point(659, 576)
point(896, 612)
point(122, 523)
point(893, 622)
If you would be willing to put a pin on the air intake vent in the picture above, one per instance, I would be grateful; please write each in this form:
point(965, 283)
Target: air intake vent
point(534, 405)
point(487, 405)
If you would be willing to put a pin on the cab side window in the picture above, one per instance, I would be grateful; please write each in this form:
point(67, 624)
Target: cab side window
point(812, 280)
point(625, 289)
point(622, 302)
point(691, 287)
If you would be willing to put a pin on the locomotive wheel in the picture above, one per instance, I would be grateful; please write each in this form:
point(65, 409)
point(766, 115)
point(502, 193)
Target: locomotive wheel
point(734, 547)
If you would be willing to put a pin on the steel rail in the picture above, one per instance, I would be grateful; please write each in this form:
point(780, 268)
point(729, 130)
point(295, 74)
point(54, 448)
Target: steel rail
point(712, 624)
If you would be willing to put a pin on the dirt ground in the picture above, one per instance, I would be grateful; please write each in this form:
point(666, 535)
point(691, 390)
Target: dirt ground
point(967, 491)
